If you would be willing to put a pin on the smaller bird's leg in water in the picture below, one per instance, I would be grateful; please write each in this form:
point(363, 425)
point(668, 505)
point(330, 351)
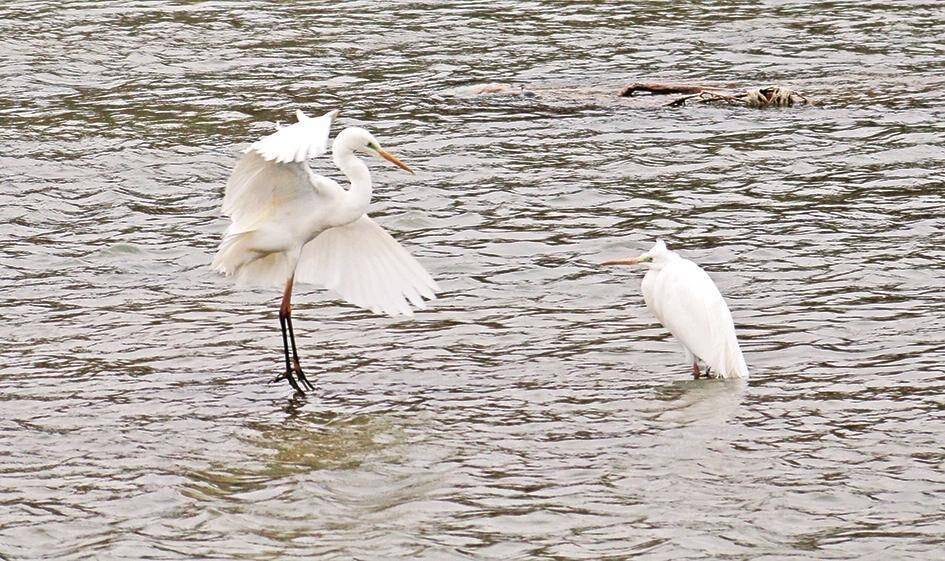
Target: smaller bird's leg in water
point(695, 370)
point(286, 310)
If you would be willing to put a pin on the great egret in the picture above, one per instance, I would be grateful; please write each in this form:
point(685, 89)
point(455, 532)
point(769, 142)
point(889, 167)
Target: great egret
point(686, 301)
point(289, 224)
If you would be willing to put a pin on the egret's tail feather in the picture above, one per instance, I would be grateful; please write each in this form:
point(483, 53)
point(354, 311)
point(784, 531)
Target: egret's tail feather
point(232, 254)
point(366, 267)
point(728, 362)
point(270, 270)
point(237, 259)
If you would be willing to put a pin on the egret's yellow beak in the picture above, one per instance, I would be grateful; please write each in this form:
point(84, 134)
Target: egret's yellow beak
point(393, 159)
point(627, 260)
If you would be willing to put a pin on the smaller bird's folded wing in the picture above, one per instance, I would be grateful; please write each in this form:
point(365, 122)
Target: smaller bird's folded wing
point(367, 267)
point(688, 303)
point(297, 142)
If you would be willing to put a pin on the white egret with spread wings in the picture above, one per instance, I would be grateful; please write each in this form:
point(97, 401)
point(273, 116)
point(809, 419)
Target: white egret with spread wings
point(292, 225)
point(686, 301)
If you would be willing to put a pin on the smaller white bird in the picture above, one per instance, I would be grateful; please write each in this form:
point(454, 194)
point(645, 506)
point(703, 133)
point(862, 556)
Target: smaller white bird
point(686, 301)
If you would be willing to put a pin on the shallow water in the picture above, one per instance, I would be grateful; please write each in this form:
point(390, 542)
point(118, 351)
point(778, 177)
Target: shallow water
point(534, 411)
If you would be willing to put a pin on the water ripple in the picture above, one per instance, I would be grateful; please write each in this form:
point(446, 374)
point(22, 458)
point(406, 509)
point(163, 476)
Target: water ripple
point(536, 410)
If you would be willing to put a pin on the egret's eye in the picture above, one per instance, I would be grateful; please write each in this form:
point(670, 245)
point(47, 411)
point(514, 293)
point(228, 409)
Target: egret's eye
point(373, 146)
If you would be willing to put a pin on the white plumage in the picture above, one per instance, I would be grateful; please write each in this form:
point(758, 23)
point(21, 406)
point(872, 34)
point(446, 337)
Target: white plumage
point(686, 301)
point(306, 139)
point(289, 224)
point(367, 267)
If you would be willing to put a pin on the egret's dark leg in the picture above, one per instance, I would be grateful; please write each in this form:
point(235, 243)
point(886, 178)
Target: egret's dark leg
point(285, 342)
point(285, 347)
point(286, 311)
point(295, 357)
point(695, 369)
point(284, 322)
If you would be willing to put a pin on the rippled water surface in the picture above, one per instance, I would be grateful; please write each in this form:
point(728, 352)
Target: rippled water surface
point(536, 410)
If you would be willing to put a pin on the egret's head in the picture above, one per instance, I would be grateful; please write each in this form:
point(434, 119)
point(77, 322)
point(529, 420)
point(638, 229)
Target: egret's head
point(655, 254)
point(357, 139)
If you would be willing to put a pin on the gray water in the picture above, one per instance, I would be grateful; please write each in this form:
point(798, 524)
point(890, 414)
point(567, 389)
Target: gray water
point(535, 410)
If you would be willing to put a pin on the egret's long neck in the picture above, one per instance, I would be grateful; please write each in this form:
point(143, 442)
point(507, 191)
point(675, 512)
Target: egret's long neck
point(358, 196)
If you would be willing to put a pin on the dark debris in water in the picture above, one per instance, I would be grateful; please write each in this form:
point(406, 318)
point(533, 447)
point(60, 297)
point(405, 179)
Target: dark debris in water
point(682, 94)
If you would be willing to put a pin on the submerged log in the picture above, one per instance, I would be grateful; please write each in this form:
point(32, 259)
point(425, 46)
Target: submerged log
point(498, 88)
point(657, 88)
point(678, 94)
point(774, 96)
point(771, 96)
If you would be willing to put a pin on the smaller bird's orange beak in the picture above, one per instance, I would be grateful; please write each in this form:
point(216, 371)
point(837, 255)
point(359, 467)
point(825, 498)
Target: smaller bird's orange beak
point(625, 261)
point(393, 159)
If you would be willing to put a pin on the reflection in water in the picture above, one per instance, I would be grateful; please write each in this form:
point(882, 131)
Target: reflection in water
point(302, 442)
point(709, 402)
point(323, 441)
point(534, 411)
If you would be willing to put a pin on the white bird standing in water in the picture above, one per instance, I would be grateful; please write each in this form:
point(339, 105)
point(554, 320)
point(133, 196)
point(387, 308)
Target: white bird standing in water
point(686, 301)
point(289, 224)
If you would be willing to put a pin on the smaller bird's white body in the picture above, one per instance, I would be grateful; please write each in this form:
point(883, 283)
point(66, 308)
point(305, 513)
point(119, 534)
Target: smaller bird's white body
point(686, 301)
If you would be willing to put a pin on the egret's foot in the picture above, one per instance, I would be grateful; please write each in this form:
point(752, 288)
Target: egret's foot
point(695, 371)
point(287, 375)
point(301, 376)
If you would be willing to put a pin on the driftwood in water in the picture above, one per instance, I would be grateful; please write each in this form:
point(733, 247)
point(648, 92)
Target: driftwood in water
point(658, 88)
point(677, 94)
point(774, 96)
point(499, 88)
point(771, 96)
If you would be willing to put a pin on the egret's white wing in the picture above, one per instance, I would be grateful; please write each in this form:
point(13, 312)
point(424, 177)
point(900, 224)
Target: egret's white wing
point(273, 173)
point(366, 267)
point(258, 188)
point(297, 142)
point(687, 302)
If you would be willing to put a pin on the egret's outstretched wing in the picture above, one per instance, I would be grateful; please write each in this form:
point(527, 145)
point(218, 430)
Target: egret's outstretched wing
point(297, 142)
point(366, 267)
point(273, 172)
point(688, 303)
